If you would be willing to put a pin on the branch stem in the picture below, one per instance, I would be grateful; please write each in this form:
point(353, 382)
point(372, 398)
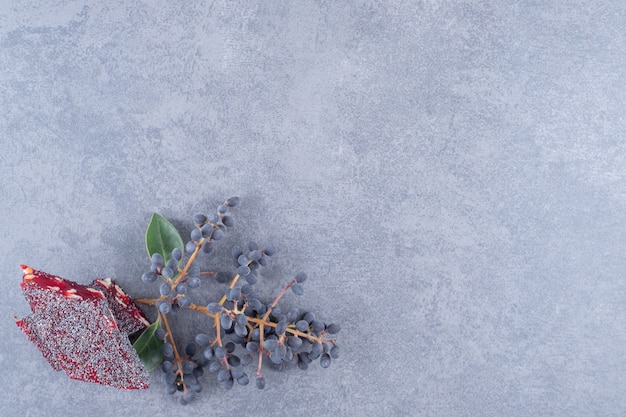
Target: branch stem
point(168, 332)
point(278, 297)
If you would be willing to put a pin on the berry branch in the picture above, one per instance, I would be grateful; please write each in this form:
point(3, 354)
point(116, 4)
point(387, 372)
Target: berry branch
point(242, 326)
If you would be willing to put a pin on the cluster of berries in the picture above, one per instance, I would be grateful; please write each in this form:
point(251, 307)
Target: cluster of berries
point(244, 329)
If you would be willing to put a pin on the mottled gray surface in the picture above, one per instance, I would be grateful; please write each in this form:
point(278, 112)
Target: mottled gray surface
point(452, 176)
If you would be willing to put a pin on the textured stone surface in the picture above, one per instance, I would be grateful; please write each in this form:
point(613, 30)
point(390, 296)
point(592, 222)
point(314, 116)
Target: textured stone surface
point(451, 175)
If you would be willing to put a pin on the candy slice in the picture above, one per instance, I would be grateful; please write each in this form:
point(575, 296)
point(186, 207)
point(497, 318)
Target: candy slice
point(76, 328)
point(129, 317)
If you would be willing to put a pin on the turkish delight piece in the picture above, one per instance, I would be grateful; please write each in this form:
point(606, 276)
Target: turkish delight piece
point(129, 317)
point(76, 330)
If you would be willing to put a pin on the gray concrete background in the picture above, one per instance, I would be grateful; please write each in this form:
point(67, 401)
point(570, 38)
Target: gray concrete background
point(450, 174)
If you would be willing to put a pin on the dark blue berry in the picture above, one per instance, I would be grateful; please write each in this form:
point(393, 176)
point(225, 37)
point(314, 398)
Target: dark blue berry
point(297, 289)
point(236, 252)
point(218, 234)
point(214, 308)
point(199, 219)
point(243, 270)
point(149, 277)
point(177, 254)
point(190, 246)
point(232, 202)
point(196, 234)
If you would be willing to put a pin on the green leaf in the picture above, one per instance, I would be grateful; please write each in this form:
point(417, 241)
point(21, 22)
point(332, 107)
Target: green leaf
point(162, 237)
point(149, 348)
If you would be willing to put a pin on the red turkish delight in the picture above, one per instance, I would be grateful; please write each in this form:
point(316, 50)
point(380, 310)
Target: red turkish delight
point(84, 330)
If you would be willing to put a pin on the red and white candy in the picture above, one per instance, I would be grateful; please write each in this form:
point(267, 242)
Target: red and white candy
point(84, 330)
